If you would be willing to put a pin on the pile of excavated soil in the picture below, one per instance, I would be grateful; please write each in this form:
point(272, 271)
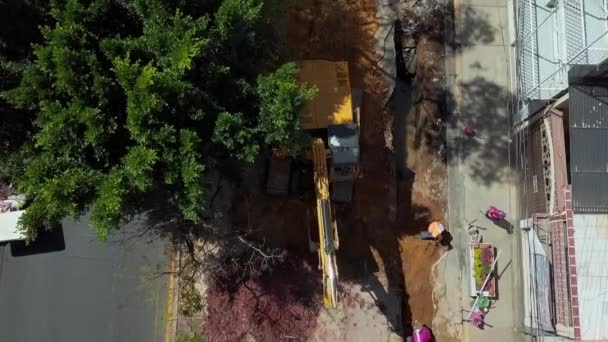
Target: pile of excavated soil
point(425, 201)
point(280, 305)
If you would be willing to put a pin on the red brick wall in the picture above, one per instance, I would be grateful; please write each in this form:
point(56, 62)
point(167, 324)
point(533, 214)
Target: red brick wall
point(560, 274)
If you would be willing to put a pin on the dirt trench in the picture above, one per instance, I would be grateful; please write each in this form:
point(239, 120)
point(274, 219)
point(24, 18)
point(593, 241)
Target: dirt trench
point(420, 119)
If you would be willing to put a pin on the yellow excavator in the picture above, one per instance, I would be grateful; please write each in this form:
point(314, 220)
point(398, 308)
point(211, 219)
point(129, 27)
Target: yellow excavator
point(330, 119)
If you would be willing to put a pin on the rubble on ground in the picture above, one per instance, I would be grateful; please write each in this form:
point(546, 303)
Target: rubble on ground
point(9, 199)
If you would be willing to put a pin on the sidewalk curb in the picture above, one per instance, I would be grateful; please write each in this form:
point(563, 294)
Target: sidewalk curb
point(172, 297)
point(454, 70)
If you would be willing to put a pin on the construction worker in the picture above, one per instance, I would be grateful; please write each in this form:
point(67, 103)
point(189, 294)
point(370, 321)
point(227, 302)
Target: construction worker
point(436, 231)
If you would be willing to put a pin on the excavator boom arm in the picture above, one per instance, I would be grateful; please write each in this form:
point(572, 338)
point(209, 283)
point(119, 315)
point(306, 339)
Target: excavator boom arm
point(327, 251)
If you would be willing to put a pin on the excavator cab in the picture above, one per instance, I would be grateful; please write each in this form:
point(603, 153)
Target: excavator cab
point(333, 115)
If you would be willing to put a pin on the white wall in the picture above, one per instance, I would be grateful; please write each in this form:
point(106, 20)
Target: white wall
point(591, 250)
point(550, 47)
point(596, 26)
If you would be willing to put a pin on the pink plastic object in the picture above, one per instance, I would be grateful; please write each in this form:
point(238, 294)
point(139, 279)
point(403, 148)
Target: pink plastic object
point(422, 334)
point(477, 318)
point(495, 214)
point(469, 130)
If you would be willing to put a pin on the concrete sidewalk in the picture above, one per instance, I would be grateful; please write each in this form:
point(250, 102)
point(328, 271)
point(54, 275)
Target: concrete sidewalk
point(479, 172)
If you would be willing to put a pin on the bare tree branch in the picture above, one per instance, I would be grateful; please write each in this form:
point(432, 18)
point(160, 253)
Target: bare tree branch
point(254, 247)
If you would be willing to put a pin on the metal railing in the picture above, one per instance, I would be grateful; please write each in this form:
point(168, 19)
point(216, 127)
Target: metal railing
point(542, 70)
point(589, 55)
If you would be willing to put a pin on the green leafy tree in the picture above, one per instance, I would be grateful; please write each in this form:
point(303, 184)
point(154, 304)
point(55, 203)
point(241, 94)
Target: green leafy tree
point(281, 100)
point(134, 98)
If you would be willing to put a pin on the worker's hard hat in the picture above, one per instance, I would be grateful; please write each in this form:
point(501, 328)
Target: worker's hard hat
point(436, 228)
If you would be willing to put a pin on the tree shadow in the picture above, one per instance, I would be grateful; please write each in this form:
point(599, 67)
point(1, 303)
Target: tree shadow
point(19, 22)
point(485, 105)
point(475, 29)
point(387, 303)
point(357, 264)
point(420, 106)
point(48, 241)
point(506, 225)
point(484, 101)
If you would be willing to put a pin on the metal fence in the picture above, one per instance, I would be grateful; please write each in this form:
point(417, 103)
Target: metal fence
point(550, 40)
point(527, 46)
point(588, 143)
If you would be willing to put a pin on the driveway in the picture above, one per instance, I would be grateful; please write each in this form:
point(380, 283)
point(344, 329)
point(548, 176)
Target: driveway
point(90, 291)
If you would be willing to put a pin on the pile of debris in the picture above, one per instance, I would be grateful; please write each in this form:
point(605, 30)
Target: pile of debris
point(9, 199)
point(405, 44)
point(413, 20)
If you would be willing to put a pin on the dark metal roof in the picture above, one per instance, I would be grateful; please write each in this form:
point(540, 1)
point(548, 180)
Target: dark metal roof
point(588, 116)
point(535, 106)
point(588, 74)
point(343, 141)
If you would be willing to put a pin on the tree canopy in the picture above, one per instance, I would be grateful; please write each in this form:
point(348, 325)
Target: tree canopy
point(134, 97)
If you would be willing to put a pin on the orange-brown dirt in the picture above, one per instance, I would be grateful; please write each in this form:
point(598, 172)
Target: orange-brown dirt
point(378, 230)
point(422, 193)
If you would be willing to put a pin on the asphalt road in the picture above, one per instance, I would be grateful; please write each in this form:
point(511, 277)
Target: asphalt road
point(90, 292)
